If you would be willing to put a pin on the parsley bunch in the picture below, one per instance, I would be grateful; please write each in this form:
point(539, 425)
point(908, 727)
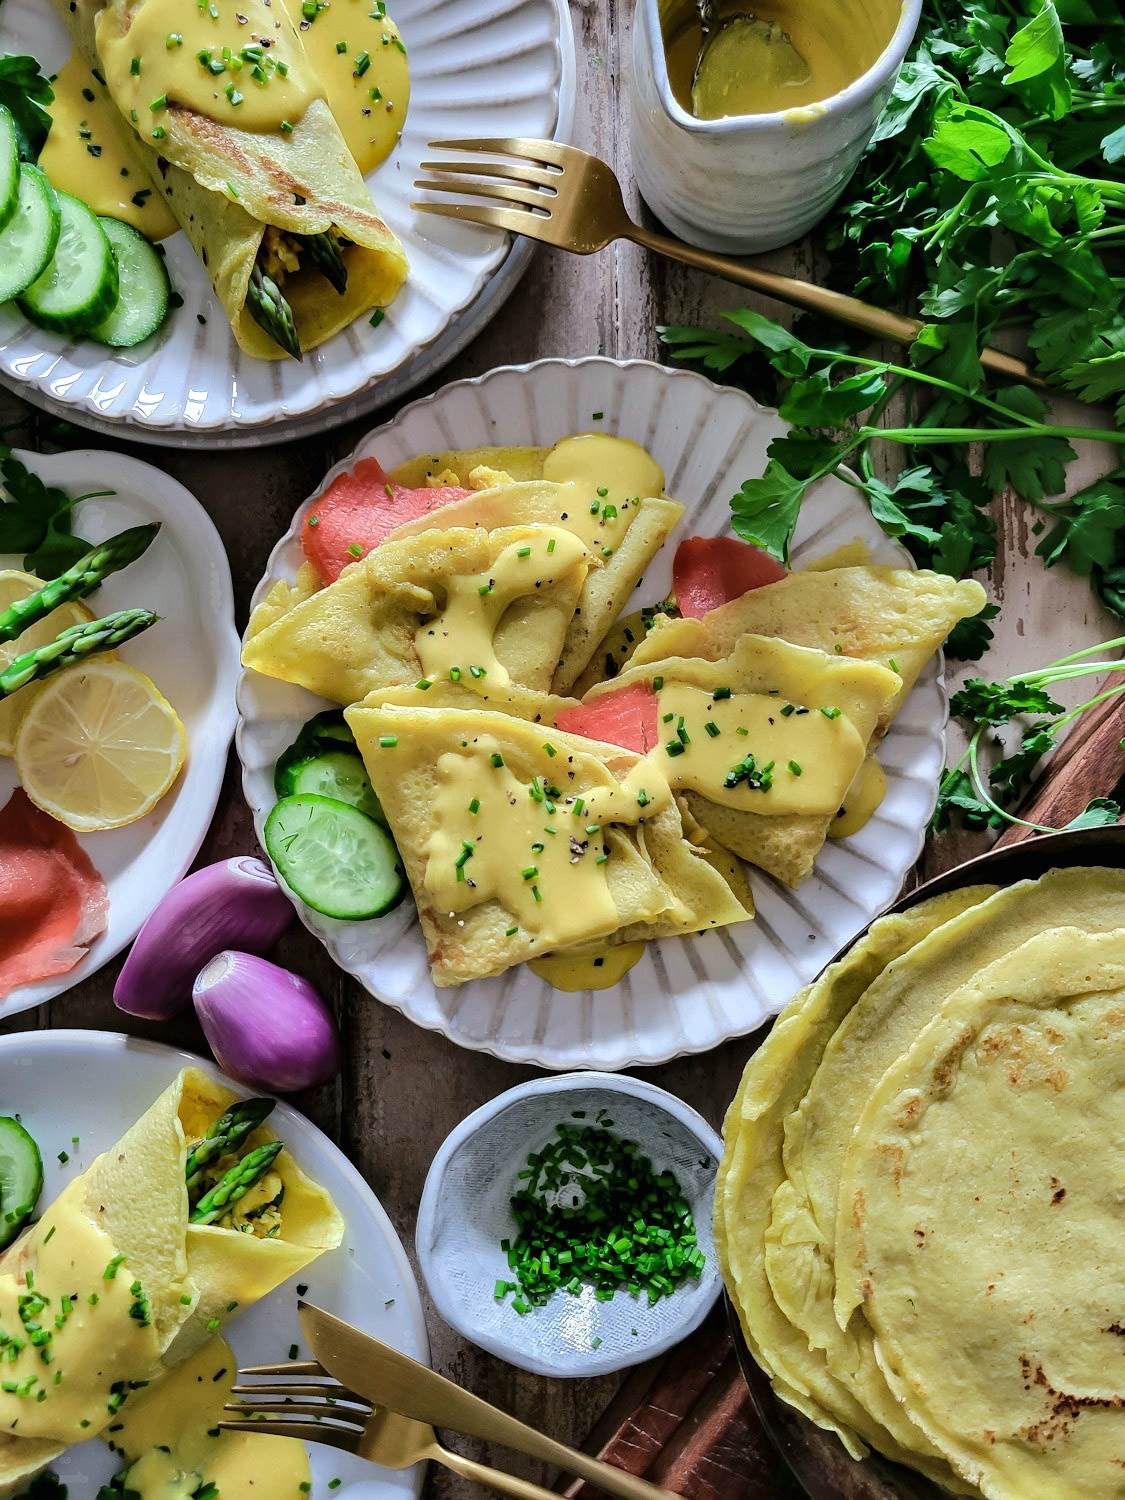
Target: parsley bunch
point(992, 192)
point(937, 505)
point(982, 801)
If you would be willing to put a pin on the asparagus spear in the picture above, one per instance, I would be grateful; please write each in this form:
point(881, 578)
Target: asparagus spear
point(235, 1184)
point(225, 1135)
point(270, 311)
point(74, 645)
point(323, 250)
point(78, 581)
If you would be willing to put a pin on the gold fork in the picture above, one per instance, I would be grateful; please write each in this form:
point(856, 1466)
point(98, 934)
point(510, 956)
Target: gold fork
point(572, 200)
point(343, 1420)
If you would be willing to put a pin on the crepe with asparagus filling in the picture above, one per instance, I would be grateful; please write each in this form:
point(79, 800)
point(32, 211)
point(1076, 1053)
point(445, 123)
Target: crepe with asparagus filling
point(197, 1212)
point(231, 125)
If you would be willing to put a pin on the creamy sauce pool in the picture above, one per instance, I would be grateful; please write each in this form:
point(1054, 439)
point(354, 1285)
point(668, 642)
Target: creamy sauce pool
point(249, 66)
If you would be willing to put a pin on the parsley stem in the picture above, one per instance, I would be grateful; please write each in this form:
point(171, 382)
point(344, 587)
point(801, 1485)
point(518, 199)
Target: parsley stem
point(991, 434)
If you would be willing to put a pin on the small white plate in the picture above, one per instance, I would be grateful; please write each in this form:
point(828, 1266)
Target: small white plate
point(191, 654)
point(686, 994)
point(465, 1213)
point(94, 1085)
point(478, 68)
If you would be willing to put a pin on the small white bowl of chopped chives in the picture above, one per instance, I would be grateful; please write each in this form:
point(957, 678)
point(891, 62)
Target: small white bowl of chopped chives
point(566, 1225)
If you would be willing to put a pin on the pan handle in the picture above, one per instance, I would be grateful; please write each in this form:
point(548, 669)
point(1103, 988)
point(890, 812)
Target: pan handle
point(1089, 763)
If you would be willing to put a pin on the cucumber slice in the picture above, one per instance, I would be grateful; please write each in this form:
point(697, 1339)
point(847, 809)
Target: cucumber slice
point(79, 287)
point(21, 1178)
point(334, 858)
point(324, 732)
point(9, 166)
point(28, 240)
point(142, 302)
point(340, 774)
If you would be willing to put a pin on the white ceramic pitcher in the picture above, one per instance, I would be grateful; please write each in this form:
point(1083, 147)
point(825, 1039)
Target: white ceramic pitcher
point(750, 182)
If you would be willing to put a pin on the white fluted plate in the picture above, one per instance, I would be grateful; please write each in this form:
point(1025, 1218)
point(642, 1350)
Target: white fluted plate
point(477, 68)
point(686, 994)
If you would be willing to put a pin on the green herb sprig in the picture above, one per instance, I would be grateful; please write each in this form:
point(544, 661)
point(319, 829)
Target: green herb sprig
point(978, 799)
point(35, 519)
point(936, 506)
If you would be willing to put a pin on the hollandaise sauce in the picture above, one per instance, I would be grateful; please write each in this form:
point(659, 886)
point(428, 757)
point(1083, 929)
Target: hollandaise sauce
point(246, 64)
point(89, 153)
point(599, 967)
point(780, 55)
point(172, 1448)
point(861, 800)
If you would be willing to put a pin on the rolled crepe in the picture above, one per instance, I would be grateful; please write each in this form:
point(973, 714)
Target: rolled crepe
point(228, 187)
point(113, 1286)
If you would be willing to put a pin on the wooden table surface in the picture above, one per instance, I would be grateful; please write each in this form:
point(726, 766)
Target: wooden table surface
point(402, 1089)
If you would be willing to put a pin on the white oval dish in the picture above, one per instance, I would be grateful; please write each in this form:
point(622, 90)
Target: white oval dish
point(94, 1085)
point(686, 994)
point(191, 654)
point(190, 384)
point(464, 1215)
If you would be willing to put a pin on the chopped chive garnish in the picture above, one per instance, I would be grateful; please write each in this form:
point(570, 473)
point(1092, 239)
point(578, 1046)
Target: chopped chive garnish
point(474, 805)
point(388, 741)
point(511, 932)
point(477, 672)
point(341, 48)
point(674, 747)
point(355, 550)
point(712, 729)
point(173, 39)
point(496, 758)
point(362, 63)
point(160, 103)
point(485, 588)
point(523, 551)
point(111, 1270)
point(550, 749)
point(424, 684)
point(642, 798)
point(551, 544)
point(657, 684)
point(455, 674)
point(135, 67)
point(794, 768)
point(530, 873)
point(890, 662)
point(831, 713)
point(536, 893)
point(787, 709)
point(287, 129)
point(721, 692)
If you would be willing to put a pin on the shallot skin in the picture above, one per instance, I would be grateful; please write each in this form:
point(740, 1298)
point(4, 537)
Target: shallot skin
point(236, 903)
point(268, 1028)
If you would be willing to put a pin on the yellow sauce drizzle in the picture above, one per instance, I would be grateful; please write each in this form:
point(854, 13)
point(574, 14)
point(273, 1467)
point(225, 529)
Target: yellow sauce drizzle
point(168, 1437)
point(595, 463)
point(89, 153)
point(461, 636)
point(238, 62)
point(600, 968)
point(358, 55)
point(93, 1345)
point(861, 800)
point(806, 759)
point(553, 883)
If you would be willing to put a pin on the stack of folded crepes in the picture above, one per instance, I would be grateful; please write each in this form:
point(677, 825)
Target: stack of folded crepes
point(456, 639)
point(918, 1209)
point(273, 203)
point(114, 1293)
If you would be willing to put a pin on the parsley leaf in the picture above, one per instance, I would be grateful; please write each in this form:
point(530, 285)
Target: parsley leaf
point(997, 703)
point(35, 519)
point(765, 510)
point(25, 92)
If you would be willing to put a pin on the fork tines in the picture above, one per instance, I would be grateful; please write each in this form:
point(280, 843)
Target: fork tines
point(339, 1415)
point(531, 182)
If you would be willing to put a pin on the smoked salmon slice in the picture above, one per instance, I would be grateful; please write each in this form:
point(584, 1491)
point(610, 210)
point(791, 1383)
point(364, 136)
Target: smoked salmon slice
point(713, 570)
point(360, 509)
point(53, 903)
point(625, 717)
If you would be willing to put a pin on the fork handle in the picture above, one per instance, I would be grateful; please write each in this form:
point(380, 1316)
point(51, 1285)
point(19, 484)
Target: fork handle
point(492, 1479)
point(878, 321)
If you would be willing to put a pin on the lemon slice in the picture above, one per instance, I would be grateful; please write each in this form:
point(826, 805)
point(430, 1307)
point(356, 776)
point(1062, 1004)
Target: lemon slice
point(98, 746)
point(13, 586)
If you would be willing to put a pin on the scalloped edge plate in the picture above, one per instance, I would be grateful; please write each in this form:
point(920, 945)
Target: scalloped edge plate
point(190, 386)
point(686, 995)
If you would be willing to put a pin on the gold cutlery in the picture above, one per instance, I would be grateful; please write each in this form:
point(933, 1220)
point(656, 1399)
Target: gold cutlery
point(572, 200)
point(345, 1421)
point(385, 1377)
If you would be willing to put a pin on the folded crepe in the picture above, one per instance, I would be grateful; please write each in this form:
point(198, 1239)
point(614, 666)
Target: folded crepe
point(472, 605)
point(796, 721)
point(114, 1285)
point(897, 617)
point(520, 841)
point(263, 206)
point(626, 536)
